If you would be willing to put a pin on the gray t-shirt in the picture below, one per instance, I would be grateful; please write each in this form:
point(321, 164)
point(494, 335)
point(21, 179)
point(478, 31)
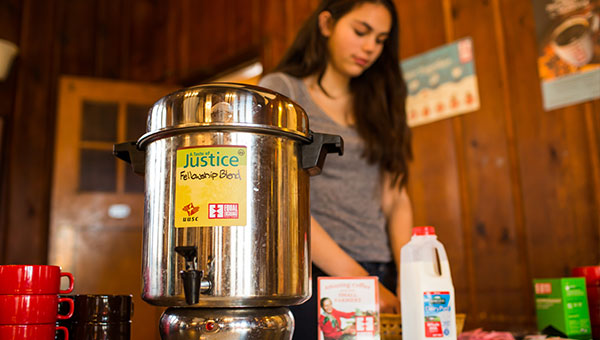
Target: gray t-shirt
point(346, 197)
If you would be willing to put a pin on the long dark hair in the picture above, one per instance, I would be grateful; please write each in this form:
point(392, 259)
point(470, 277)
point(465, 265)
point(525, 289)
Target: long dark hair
point(379, 93)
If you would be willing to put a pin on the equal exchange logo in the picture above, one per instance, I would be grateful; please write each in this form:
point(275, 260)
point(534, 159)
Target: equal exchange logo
point(211, 186)
point(222, 210)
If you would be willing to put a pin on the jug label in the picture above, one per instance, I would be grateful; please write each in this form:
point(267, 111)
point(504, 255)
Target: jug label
point(438, 314)
point(210, 186)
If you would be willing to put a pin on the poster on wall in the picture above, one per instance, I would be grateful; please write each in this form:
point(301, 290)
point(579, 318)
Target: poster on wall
point(568, 37)
point(442, 83)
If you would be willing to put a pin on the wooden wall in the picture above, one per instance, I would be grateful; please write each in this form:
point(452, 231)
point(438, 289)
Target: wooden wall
point(141, 40)
point(514, 191)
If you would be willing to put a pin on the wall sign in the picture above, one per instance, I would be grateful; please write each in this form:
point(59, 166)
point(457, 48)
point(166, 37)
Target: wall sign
point(442, 83)
point(568, 36)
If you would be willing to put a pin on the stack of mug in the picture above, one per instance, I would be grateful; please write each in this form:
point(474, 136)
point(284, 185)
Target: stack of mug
point(29, 302)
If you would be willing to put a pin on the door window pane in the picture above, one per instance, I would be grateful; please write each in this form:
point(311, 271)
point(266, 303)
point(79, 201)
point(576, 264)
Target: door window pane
point(99, 121)
point(97, 171)
point(136, 120)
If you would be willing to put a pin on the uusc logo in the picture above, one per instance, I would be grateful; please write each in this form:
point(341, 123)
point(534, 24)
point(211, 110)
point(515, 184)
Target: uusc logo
point(190, 209)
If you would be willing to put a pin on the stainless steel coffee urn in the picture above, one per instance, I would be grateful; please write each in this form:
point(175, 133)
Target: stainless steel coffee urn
point(227, 222)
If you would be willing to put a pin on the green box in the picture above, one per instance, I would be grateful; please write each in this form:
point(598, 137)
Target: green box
point(562, 304)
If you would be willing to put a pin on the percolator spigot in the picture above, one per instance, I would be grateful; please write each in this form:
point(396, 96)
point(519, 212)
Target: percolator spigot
point(193, 282)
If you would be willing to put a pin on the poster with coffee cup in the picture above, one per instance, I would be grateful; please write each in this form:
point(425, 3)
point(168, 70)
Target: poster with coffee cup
point(568, 35)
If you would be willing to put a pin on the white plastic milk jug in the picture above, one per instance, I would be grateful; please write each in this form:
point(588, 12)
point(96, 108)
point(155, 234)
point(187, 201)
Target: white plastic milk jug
point(427, 293)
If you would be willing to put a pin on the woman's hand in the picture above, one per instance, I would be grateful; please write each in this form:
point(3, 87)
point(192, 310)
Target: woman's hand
point(388, 302)
point(328, 256)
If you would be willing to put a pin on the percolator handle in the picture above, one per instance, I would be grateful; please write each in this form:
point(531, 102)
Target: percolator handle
point(313, 154)
point(130, 153)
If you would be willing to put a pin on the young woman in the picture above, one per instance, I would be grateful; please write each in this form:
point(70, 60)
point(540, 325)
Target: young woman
point(343, 69)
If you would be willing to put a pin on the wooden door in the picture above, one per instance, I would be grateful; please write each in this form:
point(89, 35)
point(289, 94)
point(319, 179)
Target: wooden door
point(97, 201)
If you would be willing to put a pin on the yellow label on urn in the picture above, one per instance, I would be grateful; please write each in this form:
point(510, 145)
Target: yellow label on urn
point(210, 186)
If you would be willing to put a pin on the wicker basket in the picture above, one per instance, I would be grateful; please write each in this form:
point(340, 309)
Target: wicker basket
point(391, 325)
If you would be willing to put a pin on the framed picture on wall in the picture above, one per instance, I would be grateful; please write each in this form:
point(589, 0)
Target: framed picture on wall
point(442, 83)
point(568, 38)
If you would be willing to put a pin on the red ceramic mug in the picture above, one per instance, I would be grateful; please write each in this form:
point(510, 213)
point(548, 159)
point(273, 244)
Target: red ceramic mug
point(33, 279)
point(37, 332)
point(32, 309)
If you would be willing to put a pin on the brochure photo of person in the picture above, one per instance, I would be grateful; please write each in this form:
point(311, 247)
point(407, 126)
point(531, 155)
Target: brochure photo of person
point(330, 323)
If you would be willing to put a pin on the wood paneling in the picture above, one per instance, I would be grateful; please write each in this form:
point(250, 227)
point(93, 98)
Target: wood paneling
point(435, 183)
point(513, 190)
point(29, 150)
point(486, 162)
point(203, 52)
point(147, 43)
point(10, 24)
point(557, 157)
point(282, 20)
